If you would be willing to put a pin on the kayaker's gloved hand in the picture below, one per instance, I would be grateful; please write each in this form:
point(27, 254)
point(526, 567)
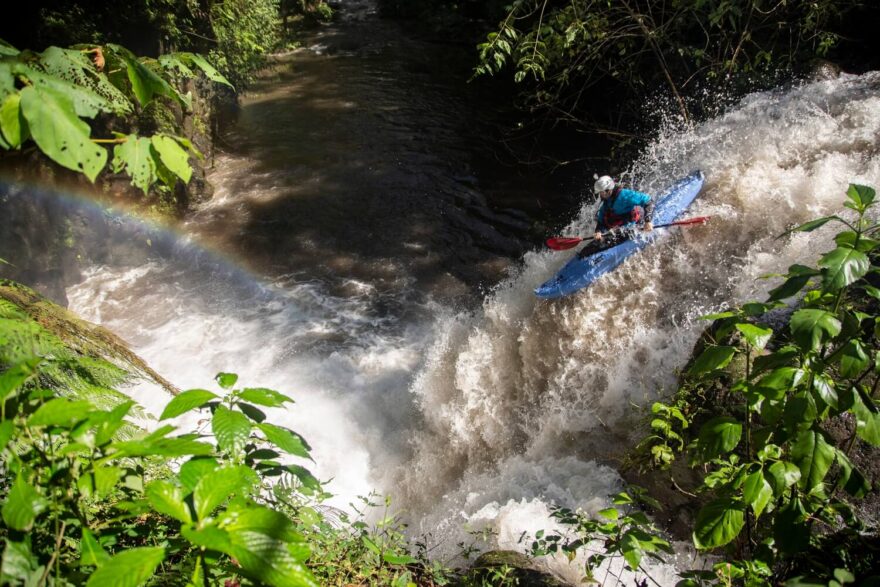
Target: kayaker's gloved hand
point(649, 226)
point(597, 236)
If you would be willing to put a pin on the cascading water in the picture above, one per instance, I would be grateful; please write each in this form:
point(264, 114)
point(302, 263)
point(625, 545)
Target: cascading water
point(484, 417)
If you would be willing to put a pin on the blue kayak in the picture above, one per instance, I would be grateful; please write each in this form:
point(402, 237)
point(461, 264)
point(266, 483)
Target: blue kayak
point(579, 273)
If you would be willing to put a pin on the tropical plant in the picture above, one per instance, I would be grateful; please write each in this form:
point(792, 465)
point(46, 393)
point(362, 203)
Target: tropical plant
point(88, 496)
point(48, 98)
point(777, 414)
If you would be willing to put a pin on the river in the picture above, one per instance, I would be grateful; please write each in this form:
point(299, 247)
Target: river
point(355, 258)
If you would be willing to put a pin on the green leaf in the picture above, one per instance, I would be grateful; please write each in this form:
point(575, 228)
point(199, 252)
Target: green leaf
point(854, 359)
point(209, 69)
point(61, 412)
point(264, 397)
point(825, 389)
point(129, 568)
point(711, 359)
point(167, 498)
point(186, 401)
point(231, 428)
point(813, 456)
point(173, 156)
point(861, 195)
point(851, 479)
point(631, 549)
point(135, 157)
point(718, 523)
point(287, 440)
point(775, 384)
point(192, 471)
point(16, 375)
point(20, 566)
point(783, 475)
point(718, 436)
point(92, 553)
point(7, 430)
point(810, 226)
point(60, 133)
point(77, 69)
point(798, 277)
point(12, 123)
point(844, 266)
point(164, 447)
point(212, 490)
point(267, 546)
point(811, 327)
point(757, 492)
point(398, 559)
point(867, 420)
point(756, 336)
point(226, 380)
point(23, 505)
point(106, 479)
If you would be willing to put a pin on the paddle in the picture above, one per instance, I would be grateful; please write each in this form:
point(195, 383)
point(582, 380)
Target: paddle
point(563, 243)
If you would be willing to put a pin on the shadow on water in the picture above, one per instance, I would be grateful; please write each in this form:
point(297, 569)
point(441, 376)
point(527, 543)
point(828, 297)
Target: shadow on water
point(362, 156)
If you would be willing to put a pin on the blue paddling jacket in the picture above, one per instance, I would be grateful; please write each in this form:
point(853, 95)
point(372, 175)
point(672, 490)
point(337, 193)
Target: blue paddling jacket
point(624, 208)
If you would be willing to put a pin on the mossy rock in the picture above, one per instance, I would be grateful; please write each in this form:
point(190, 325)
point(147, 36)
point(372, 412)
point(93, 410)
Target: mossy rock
point(77, 334)
point(507, 567)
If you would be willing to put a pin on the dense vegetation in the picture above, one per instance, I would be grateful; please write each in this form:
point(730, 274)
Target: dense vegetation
point(88, 80)
point(781, 423)
point(90, 497)
point(592, 63)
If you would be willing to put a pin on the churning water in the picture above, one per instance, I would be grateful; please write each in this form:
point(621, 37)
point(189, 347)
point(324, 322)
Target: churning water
point(482, 418)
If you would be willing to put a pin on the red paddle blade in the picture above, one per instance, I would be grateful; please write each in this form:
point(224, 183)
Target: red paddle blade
point(695, 220)
point(562, 243)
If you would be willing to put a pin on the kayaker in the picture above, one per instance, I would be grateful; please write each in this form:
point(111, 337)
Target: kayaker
point(621, 208)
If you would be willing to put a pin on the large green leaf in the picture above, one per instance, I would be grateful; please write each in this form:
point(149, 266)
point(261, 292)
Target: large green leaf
point(711, 359)
point(231, 428)
point(135, 158)
point(264, 397)
point(718, 436)
point(61, 412)
point(775, 384)
point(192, 471)
point(287, 440)
point(718, 523)
point(145, 83)
point(867, 420)
point(813, 456)
point(7, 430)
point(853, 359)
point(851, 479)
point(75, 67)
point(267, 546)
point(782, 475)
point(790, 529)
point(843, 266)
point(16, 375)
point(173, 156)
point(861, 195)
point(757, 492)
point(23, 505)
point(208, 69)
point(20, 566)
point(60, 133)
point(129, 568)
point(167, 498)
point(631, 550)
point(186, 401)
point(212, 490)
point(825, 388)
point(12, 123)
point(756, 336)
point(164, 447)
point(811, 327)
point(91, 552)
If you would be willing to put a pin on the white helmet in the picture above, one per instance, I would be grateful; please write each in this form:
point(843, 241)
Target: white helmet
point(603, 183)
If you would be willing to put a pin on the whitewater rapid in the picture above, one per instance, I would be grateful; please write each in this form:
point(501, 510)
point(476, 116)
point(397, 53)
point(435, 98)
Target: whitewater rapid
point(481, 419)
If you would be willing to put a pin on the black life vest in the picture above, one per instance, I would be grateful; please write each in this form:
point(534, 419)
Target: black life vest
point(612, 220)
